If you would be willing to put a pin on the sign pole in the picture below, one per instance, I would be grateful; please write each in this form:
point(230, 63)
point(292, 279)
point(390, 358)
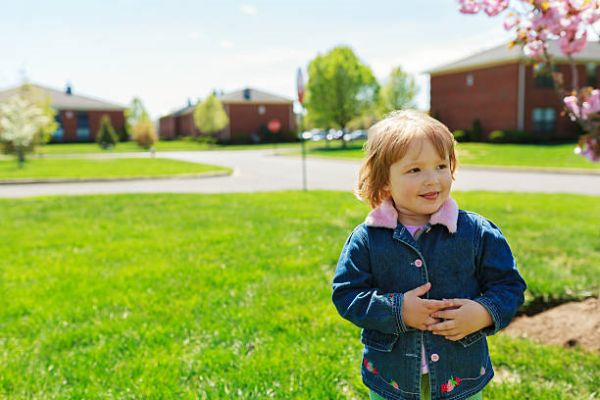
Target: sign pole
point(300, 87)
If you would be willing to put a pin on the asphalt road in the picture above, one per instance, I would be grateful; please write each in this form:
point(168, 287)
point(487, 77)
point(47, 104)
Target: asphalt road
point(262, 170)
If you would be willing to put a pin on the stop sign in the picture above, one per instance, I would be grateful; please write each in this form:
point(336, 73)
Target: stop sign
point(274, 125)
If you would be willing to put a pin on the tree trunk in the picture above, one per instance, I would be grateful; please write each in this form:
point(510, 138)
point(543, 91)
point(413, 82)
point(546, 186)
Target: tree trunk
point(21, 156)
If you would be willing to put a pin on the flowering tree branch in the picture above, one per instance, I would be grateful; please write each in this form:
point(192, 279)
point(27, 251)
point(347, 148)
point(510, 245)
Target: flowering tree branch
point(567, 21)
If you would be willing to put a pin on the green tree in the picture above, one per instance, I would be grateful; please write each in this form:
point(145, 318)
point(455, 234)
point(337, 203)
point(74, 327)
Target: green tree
point(210, 116)
point(144, 133)
point(339, 88)
point(398, 91)
point(134, 114)
point(106, 136)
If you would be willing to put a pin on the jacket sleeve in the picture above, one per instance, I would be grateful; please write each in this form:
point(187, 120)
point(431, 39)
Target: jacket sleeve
point(502, 287)
point(354, 296)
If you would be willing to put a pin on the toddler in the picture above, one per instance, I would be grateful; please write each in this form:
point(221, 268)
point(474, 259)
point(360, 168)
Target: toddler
point(425, 281)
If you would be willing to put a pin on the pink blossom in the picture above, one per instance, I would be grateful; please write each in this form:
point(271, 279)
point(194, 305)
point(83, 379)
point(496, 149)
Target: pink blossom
point(469, 6)
point(591, 14)
point(591, 104)
point(586, 149)
point(569, 44)
point(494, 7)
point(534, 49)
point(511, 21)
point(572, 105)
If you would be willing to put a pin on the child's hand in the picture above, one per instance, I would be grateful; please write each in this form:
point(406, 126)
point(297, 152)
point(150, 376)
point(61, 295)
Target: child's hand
point(464, 317)
point(416, 312)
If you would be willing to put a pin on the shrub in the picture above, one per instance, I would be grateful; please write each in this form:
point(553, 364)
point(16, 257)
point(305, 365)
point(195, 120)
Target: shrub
point(497, 136)
point(460, 135)
point(106, 136)
point(208, 140)
point(144, 133)
point(476, 132)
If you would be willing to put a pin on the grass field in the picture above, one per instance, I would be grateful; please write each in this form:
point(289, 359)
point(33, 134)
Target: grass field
point(486, 154)
point(228, 296)
point(166, 145)
point(101, 168)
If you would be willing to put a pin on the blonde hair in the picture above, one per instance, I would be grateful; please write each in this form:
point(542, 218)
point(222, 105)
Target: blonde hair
point(388, 142)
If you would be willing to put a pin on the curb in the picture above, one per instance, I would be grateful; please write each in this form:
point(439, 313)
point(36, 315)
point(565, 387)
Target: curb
point(123, 179)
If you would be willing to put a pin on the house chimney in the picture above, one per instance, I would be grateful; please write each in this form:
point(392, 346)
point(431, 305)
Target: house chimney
point(247, 94)
point(69, 89)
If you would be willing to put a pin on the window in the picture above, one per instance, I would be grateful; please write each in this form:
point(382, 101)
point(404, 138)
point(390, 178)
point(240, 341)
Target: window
point(262, 110)
point(544, 120)
point(83, 127)
point(543, 75)
point(590, 70)
point(59, 133)
point(470, 79)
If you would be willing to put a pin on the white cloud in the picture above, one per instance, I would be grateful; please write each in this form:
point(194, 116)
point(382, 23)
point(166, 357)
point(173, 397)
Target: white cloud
point(248, 9)
point(226, 44)
point(194, 35)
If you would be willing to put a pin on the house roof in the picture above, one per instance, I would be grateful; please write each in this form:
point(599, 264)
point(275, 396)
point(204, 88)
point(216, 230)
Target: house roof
point(64, 101)
point(250, 95)
point(242, 96)
point(502, 54)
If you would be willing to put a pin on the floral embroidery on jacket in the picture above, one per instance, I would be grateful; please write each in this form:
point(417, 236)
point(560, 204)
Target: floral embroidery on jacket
point(369, 366)
point(450, 385)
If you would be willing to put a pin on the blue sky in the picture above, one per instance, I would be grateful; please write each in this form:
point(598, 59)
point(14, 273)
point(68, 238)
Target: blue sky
point(168, 51)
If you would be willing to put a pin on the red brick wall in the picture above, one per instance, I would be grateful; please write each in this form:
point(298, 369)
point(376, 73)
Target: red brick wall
point(548, 98)
point(245, 119)
point(69, 125)
point(166, 127)
point(117, 119)
point(492, 98)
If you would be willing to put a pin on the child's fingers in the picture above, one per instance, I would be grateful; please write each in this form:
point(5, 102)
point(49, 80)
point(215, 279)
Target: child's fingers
point(434, 305)
point(443, 327)
point(446, 314)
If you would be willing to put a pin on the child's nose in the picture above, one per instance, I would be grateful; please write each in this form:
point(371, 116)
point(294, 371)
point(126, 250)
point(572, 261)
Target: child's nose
point(431, 177)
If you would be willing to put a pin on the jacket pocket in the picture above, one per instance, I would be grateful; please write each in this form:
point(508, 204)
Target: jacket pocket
point(472, 338)
point(378, 340)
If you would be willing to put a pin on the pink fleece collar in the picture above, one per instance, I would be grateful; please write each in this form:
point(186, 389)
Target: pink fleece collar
point(386, 216)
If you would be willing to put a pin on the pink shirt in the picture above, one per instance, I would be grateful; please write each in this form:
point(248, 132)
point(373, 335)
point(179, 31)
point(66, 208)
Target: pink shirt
point(424, 369)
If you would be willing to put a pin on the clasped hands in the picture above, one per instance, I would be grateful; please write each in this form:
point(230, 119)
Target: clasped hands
point(454, 319)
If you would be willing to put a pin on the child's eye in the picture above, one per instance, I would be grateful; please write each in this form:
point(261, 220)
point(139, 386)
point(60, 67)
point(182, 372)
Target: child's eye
point(414, 171)
point(442, 166)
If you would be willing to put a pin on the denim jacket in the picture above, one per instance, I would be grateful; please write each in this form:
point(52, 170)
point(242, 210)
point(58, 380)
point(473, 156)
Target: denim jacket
point(463, 255)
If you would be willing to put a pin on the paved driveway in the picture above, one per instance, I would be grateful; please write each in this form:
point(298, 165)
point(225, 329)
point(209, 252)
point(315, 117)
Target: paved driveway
point(262, 170)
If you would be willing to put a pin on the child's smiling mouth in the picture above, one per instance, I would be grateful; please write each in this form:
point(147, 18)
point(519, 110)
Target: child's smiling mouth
point(430, 195)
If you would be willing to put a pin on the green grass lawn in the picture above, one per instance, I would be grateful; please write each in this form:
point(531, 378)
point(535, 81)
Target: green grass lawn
point(101, 168)
point(165, 145)
point(486, 154)
point(228, 296)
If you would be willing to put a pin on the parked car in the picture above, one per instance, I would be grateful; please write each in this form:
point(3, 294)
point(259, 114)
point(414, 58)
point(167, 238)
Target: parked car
point(334, 134)
point(358, 134)
point(319, 135)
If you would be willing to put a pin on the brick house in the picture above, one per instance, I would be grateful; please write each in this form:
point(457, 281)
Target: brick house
point(78, 117)
point(505, 91)
point(249, 111)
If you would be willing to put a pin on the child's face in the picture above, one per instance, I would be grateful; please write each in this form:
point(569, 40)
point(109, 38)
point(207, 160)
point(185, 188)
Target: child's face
point(420, 183)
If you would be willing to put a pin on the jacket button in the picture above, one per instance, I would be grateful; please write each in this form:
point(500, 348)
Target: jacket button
point(435, 357)
point(418, 263)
